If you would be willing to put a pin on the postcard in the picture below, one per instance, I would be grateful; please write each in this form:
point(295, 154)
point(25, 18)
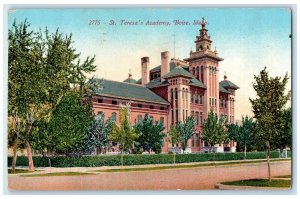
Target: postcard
point(161, 98)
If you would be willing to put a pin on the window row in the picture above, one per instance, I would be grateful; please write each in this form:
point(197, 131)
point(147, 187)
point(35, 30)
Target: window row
point(212, 102)
point(114, 102)
point(197, 98)
point(140, 119)
point(198, 72)
point(154, 76)
point(212, 70)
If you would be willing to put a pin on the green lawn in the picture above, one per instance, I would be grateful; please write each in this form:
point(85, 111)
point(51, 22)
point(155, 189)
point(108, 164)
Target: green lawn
point(20, 171)
point(261, 183)
point(286, 176)
point(58, 174)
point(180, 166)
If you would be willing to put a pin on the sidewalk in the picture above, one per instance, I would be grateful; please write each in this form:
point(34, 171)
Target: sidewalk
point(92, 169)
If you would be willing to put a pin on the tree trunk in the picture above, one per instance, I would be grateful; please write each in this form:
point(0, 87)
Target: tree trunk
point(122, 156)
point(29, 155)
point(14, 161)
point(245, 152)
point(174, 158)
point(281, 152)
point(268, 160)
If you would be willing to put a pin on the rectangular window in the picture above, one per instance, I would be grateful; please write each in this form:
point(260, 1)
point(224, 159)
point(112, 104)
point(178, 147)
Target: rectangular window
point(100, 100)
point(161, 120)
point(192, 98)
point(197, 140)
point(197, 118)
point(162, 108)
point(183, 114)
point(215, 102)
point(172, 115)
point(201, 101)
point(201, 117)
point(196, 99)
point(176, 115)
point(114, 102)
point(140, 105)
point(192, 113)
point(151, 107)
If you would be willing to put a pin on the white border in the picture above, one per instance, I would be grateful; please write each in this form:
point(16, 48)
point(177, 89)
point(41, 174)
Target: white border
point(147, 3)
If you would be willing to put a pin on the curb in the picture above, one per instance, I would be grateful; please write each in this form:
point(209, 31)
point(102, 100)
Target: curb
point(235, 187)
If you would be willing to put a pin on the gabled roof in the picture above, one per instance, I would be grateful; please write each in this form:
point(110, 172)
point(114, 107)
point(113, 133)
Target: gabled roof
point(197, 83)
point(178, 71)
point(129, 91)
point(157, 83)
point(130, 80)
point(172, 66)
point(222, 89)
point(228, 84)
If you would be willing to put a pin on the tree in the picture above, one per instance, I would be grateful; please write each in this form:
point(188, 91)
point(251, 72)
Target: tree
point(150, 136)
point(267, 108)
point(174, 137)
point(41, 68)
point(125, 134)
point(244, 134)
point(69, 124)
point(181, 133)
point(214, 129)
point(284, 138)
point(98, 133)
point(187, 130)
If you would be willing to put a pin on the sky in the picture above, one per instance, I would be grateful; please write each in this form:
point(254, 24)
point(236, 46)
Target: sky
point(247, 38)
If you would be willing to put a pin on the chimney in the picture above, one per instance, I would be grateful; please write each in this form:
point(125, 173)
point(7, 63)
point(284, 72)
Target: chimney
point(145, 70)
point(165, 64)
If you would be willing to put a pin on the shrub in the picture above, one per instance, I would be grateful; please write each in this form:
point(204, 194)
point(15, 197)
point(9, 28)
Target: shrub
point(136, 159)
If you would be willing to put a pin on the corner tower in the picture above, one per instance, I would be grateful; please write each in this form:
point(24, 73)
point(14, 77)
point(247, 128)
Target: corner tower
point(204, 65)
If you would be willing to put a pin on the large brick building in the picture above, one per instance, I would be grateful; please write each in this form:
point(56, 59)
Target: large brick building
point(174, 90)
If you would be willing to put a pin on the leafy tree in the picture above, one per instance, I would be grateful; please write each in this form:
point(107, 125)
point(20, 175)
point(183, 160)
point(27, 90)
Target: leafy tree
point(69, 123)
point(150, 136)
point(267, 108)
point(41, 68)
point(182, 132)
point(284, 138)
point(214, 129)
point(244, 134)
point(98, 133)
point(187, 130)
point(125, 134)
point(174, 137)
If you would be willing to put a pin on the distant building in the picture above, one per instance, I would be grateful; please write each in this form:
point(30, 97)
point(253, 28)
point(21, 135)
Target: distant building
point(174, 90)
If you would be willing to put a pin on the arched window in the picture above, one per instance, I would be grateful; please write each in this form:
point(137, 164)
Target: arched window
point(176, 94)
point(194, 71)
point(186, 93)
point(197, 73)
point(183, 91)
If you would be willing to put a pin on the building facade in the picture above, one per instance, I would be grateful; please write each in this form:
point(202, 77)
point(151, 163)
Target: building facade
point(174, 90)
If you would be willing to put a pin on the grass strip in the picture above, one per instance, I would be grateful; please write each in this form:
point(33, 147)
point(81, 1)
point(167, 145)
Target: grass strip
point(58, 174)
point(21, 171)
point(261, 183)
point(181, 166)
